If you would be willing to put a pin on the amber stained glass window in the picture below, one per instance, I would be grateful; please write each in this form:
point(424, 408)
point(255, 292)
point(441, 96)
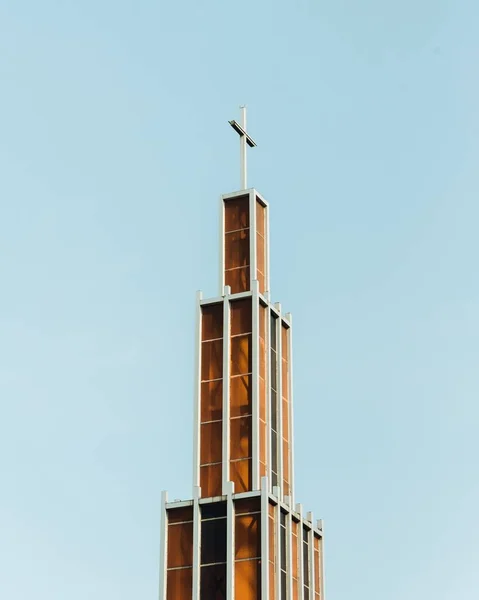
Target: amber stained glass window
point(180, 553)
point(237, 244)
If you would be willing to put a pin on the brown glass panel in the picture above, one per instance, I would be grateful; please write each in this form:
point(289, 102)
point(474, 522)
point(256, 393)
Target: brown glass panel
point(180, 545)
point(240, 474)
point(284, 342)
point(248, 580)
point(247, 536)
point(294, 548)
point(240, 396)
point(248, 505)
point(272, 535)
point(240, 437)
point(260, 249)
point(262, 399)
point(262, 357)
point(260, 218)
point(179, 515)
point(211, 401)
point(237, 249)
point(210, 481)
point(285, 378)
point(261, 282)
point(316, 570)
point(272, 581)
point(241, 316)
point(285, 419)
point(212, 360)
point(238, 280)
point(212, 583)
point(212, 322)
point(262, 441)
point(241, 355)
point(179, 584)
point(211, 441)
point(286, 467)
point(237, 213)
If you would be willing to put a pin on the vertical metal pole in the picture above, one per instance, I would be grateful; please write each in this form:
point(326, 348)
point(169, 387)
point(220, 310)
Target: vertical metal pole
point(265, 550)
point(243, 149)
point(196, 543)
point(311, 560)
point(163, 546)
point(226, 389)
point(197, 394)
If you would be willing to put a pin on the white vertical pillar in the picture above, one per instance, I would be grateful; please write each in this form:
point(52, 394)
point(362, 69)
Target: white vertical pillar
point(311, 555)
point(289, 556)
point(255, 384)
point(222, 244)
point(230, 543)
point(279, 387)
point(267, 284)
point(268, 398)
point(264, 538)
point(277, 512)
point(289, 317)
point(196, 543)
point(299, 510)
point(163, 546)
point(197, 395)
point(226, 389)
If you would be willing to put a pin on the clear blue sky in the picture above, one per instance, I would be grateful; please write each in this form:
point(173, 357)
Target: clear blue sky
point(114, 149)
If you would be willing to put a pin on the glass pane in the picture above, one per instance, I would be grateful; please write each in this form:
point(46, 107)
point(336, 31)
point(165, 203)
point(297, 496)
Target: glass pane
point(212, 322)
point(238, 280)
point(180, 545)
point(247, 536)
point(237, 249)
point(260, 245)
point(240, 437)
point(284, 379)
point(316, 570)
point(260, 218)
point(213, 541)
point(248, 580)
point(237, 213)
point(240, 474)
point(248, 505)
point(210, 481)
point(262, 441)
point(285, 419)
point(211, 442)
point(262, 399)
point(241, 354)
point(240, 396)
point(179, 515)
point(274, 320)
point(284, 342)
point(179, 584)
point(241, 316)
point(286, 459)
point(283, 547)
point(305, 564)
point(283, 585)
point(273, 367)
point(274, 411)
point(212, 401)
point(212, 583)
point(213, 510)
point(211, 360)
point(294, 552)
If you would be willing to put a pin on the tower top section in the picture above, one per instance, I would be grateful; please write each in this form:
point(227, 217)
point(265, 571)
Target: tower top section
point(245, 139)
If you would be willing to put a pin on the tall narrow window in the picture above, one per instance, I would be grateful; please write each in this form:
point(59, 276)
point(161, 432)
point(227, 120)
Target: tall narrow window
point(261, 246)
point(317, 568)
point(263, 316)
point(306, 562)
point(237, 246)
point(241, 421)
point(274, 400)
point(285, 377)
point(273, 557)
point(284, 558)
point(248, 549)
point(213, 552)
point(211, 399)
point(295, 558)
point(180, 553)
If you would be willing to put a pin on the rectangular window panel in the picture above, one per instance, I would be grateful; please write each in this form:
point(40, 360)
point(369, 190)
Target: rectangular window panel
point(240, 438)
point(212, 583)
point(248, 580)
point(180, 545)
point(212, 322)
point(247, 536)
point(213, 510)
point(241, 316)
point(213, 541)
point(211, 442)
point(260, 218)
point(237, 249)
point(179, 584)
point(241, 355)
point(238, 279)
point(212, 401)
point(180, 515)
point(211, 360)
point(240, 395)
point(210, 481)
point(241, 475)
point(236, 213)
point(245, 506)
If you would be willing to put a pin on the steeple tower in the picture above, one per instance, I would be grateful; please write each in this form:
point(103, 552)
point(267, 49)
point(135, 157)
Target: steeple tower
point(242, 537)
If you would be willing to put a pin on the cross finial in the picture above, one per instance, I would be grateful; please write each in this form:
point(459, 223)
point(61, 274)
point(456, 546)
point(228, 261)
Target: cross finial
point(244, 139)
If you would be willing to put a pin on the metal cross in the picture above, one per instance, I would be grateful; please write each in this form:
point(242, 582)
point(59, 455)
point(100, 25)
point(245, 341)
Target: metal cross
point(244, 139)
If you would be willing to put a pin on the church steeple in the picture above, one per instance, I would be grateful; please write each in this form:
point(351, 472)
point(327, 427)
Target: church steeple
point(242, 537)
